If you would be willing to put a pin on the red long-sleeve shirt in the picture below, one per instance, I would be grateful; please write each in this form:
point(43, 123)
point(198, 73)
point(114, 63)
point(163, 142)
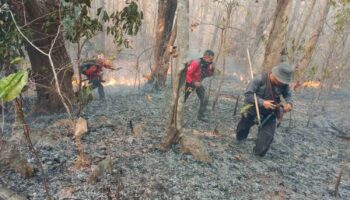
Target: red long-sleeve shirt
point(194, 71)
point(94, 71)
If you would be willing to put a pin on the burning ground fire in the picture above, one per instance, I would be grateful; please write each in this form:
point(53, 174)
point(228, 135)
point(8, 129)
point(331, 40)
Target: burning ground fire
point(120, 81)
point(241, 77)
point(111, 81)
point(312, 84)
point(317, 84)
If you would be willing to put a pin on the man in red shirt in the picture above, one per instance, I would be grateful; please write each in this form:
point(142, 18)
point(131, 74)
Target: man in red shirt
point(197, 70)
point(93, 71)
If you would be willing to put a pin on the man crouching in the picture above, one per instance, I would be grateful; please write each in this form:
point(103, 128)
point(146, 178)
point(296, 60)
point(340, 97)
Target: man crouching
point(268, 88)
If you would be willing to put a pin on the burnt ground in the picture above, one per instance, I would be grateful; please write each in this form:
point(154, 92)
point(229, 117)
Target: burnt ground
point(301, 164)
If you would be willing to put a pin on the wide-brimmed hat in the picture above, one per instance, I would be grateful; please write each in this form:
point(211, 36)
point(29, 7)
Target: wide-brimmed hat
point(283, 72)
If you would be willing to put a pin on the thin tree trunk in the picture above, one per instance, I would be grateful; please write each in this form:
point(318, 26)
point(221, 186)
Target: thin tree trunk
point(295, 11)
point(165, 21)
point(296, 41)
point(311, 44)
point(260, 37)
point(103, 33)
point(20, 116)
point(216, 31)
point(204, 14)
point(147, 24)
point(175, 126)
point(277, 37)
point(223, 44)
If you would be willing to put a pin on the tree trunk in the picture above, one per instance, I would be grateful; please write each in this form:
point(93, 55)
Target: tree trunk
point(260, 37)
point(147, 28)
point(165, 21)
point(277, 37)
point(175, 126)
point(295, 12)
point(216, 31)
point(205, 4)
point(103, 33)
point(48, 99)
point(223, 46)
point(296, 41)
point(311, 44)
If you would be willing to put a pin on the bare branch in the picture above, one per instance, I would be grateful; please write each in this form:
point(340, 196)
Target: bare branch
point(50, 59)
point(25, 37)
point(55, 74)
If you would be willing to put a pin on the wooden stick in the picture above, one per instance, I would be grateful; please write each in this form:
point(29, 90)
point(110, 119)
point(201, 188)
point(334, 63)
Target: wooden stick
point(236, 105)
point(255, 98)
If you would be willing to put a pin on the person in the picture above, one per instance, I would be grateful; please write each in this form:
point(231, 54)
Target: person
point(93, 71)
point(268, 87)
point(197, 70)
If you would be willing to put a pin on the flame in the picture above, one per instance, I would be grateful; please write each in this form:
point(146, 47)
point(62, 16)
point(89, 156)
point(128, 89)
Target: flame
point(110, 82)
point(126, 81)
point(122, 80)
point(312, 84)
point(241, 78)
point(75, 82)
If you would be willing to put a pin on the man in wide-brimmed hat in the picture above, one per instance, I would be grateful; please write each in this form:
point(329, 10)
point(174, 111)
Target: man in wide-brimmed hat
point(268, 87)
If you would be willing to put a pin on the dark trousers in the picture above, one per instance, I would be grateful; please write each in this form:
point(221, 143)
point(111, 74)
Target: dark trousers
point(96, 83)
point(201, 95)
point(265, 133)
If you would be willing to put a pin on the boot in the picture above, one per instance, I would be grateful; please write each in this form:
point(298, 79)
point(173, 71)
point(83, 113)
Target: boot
point(202, 110)
point(202, 117)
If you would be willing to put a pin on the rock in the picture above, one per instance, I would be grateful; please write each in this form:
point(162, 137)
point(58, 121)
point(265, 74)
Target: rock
point(192, 145)
point(138, 130)
point(130, 140)
point(80, 127)
point(95, 173)
point(98, 170)
point(10, 195)
point(66, 193)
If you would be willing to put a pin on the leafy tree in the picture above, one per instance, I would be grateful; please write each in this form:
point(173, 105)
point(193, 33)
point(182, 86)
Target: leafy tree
point(10, 40)
point(40, 21)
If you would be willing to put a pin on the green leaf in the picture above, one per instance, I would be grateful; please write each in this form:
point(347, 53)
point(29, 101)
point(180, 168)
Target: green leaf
point(245, 108)
point(12, 85)
point(84, 96)
point(16, 61)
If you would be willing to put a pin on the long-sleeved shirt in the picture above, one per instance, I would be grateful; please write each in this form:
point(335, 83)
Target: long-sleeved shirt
point(197, 70)
point(261, 86)
point(94, 69)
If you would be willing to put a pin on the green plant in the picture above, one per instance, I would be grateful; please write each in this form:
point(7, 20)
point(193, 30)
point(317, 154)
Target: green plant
point(12, 85)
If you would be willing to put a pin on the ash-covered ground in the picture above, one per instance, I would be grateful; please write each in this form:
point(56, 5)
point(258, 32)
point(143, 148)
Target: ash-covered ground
point(302, 163)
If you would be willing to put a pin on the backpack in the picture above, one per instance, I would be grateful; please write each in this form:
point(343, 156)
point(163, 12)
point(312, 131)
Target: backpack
point(86, 65)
